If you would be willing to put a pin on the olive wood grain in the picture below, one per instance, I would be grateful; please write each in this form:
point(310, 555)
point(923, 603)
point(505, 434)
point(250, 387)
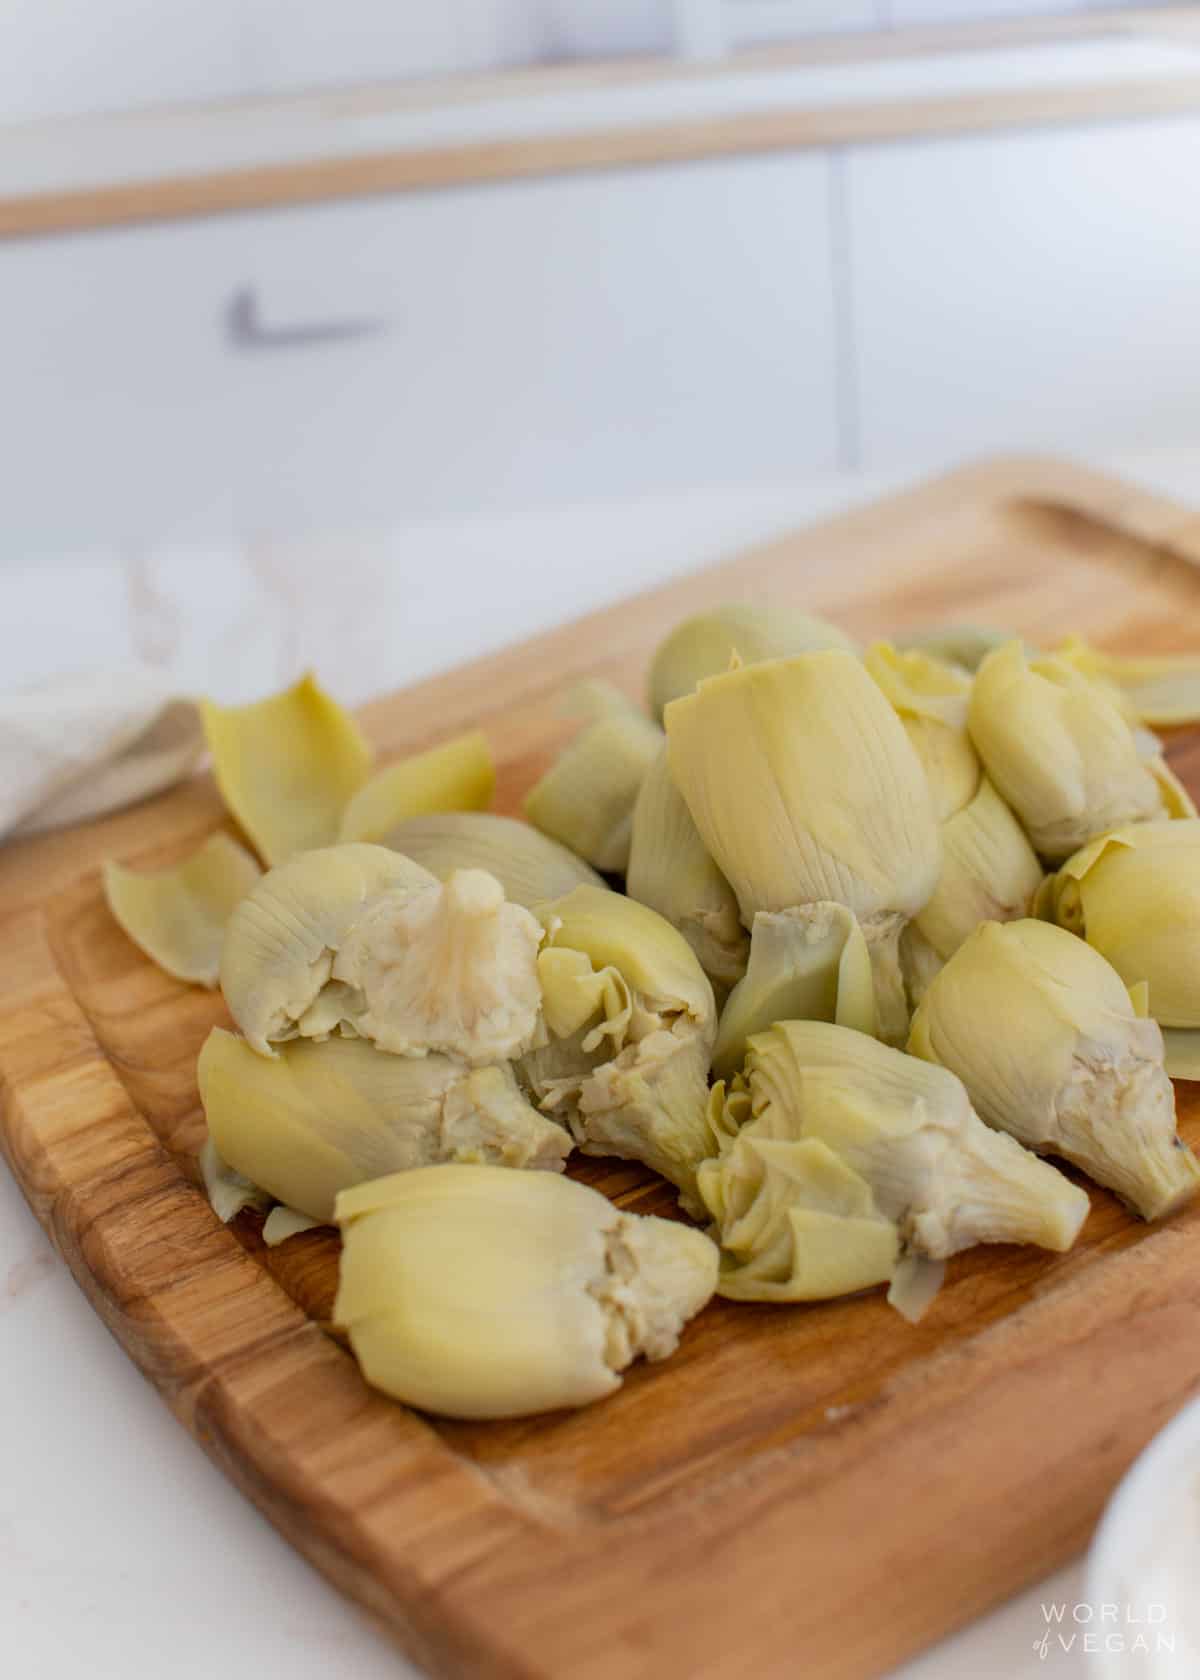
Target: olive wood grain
point(805, 1492)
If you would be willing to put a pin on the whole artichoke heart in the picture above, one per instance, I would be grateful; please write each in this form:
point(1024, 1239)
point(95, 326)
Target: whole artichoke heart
point(805, 788)
point(1044, 1035)
point(360, 940)
point(317, 1119)
point(477, 1292)
point(1059, 751)
point(1134, 895)
point(705, 644)
point(826, 1121)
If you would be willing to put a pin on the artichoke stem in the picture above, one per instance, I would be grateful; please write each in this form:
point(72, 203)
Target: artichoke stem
point(1118, 1124)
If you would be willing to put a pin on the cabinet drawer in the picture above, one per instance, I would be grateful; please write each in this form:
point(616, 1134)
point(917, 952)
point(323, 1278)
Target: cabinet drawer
point(121, 408)
point(551, 340)
point(1027, 291)
point(529, 343)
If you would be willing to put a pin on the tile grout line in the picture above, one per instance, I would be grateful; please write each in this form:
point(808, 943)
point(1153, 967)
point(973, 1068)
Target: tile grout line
point(846, 396)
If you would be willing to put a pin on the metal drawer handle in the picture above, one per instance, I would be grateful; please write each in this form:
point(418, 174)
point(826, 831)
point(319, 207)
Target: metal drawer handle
point(245, 331)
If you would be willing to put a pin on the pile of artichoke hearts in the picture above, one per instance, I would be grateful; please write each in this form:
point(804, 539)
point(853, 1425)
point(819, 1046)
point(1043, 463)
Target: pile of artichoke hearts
point(848, 945)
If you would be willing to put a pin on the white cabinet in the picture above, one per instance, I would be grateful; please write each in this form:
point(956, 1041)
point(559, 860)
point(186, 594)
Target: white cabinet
point(121, 409)
point(539, 342)
point(1026, 290)
point(549, 341)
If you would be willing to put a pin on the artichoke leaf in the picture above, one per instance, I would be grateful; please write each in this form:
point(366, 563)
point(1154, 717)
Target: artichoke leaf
point(527, 863)
point(1181, 1052)
point(807, 964)
point(287, 766)
point(178, 916)
point(228, 1190)
point(586, 798)
point(284, 1222)
point(458, 775)
point(1161, 690)
point(670, 870)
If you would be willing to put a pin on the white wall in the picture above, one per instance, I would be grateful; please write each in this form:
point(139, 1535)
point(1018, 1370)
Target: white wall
point(60, 57)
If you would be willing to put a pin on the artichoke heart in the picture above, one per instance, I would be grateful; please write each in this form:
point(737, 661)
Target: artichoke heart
point(360, 940)
point(527, 863)
point(451, 967)
point(930, 698)
point(178, 916)
point(807, 964)
point(457, 776)
point(287, 766)
point(478, 1293)
point(1044, 1035)
point(990, 873)
point(1058, 750)
point(705, 644)
point(670, 870)
point(895, 1147)
point(630, 1020)
point(281, 939)
point(1134, 895)
point(320, 1118)
point(805, 788)
point(586, 798)
point(795, 1223)
point(1161, 690)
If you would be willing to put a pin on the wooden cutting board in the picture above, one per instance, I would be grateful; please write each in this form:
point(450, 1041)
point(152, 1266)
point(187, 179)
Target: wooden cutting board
point(809, 1491)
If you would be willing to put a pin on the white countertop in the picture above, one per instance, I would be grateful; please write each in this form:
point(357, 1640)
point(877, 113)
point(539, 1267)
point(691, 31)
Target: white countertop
point(124, 1555)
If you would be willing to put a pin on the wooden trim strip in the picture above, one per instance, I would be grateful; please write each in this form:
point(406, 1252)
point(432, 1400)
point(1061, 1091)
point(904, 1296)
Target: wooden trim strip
point(321, 180)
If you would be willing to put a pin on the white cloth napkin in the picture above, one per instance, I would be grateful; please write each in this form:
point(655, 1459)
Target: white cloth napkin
point(78, 746)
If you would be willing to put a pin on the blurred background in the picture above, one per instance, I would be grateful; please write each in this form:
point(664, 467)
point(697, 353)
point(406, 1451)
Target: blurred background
point(271, 273)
